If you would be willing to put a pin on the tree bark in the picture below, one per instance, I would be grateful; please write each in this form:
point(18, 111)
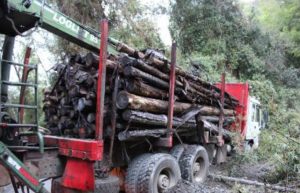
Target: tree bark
point(131, 101)
point(138, 87)
point(134, 72)
point(129, 135)
point(250, 182)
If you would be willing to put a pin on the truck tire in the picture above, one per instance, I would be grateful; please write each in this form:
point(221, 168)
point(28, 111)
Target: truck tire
point(177, 151)
point(131, 179)
point(111, 184)
point(194, 164)
point(158, 174)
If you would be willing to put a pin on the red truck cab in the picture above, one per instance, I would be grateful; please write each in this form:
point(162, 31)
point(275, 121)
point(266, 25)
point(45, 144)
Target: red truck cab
point(249, 118)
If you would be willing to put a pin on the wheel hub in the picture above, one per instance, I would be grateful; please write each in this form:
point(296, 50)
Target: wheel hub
point(196, 168)
point(163, 181)
point(197, 171)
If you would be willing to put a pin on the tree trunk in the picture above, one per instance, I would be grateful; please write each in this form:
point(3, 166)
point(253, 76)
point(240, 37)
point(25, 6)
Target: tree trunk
point(138, 87)
point(250, 182)
point(131, 101)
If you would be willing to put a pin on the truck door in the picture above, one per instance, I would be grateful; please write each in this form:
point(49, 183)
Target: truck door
point(253, 123)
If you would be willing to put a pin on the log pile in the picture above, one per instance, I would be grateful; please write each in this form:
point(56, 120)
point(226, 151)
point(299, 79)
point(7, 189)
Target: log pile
point(136, 97)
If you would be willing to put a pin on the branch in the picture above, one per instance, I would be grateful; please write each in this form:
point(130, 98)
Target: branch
point(250, 182)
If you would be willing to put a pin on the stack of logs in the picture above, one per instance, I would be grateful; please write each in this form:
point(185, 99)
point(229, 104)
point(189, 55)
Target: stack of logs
point(136, 97)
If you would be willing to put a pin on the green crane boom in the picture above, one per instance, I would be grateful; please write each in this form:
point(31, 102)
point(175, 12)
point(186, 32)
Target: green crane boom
point(18, 16)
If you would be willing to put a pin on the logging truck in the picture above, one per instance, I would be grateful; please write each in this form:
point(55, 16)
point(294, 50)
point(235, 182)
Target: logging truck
point(117, 119)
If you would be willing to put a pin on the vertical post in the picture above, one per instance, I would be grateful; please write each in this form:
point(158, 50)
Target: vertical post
point(8, 49)
point(24, 80)
point(171, 92)
point(221, 120)
point(101, 80)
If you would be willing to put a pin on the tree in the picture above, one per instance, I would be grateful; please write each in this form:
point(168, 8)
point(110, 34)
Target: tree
point(219, 29)
point(128, 21)
point(283, 17)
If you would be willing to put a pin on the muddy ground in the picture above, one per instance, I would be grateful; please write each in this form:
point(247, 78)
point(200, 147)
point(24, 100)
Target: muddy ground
point(245, 171)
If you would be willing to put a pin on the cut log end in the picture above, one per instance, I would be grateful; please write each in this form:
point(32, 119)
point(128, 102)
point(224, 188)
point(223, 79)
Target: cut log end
point(123, 100)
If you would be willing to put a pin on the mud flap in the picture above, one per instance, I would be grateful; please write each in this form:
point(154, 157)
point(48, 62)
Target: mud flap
point(211, 151)
point(57, 187)
point(221, 154)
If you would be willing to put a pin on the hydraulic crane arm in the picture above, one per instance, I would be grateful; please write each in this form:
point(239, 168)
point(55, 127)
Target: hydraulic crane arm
point(19, 170)
point(18, 16)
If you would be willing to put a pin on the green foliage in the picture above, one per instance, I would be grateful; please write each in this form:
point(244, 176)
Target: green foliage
point(262, 48)
point(264, 90)
point(129, 22)
point(218, 28)
point(283, 17)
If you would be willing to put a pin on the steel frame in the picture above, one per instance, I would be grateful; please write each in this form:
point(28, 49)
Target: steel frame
point(81, 153)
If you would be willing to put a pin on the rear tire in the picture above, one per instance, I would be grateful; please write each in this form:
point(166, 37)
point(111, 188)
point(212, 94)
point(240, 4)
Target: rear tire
point(111, 184)
point(158, 174)
point(194, 164)
point(177, 151)
point(131, 179)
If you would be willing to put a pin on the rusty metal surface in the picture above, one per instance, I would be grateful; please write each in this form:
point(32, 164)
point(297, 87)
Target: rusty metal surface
point(24, 80)
point(171, 93)
point(101, 80)
point(221, 119)
point(57, 187)
point(44, 165)
point(4, 176)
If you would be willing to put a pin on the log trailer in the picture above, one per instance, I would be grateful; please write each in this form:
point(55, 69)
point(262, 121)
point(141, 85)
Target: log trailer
point(151, 159)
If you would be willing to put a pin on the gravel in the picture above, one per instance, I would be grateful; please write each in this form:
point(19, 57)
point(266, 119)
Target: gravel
point(187, 187)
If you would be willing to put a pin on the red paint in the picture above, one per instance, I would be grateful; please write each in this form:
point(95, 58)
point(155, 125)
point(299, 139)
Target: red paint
point(77, 148)
point(171, 93)
point(221, 118)
point(79, 175)
point(29, 177)
point(3, 125)
point(101, 80)
point(240, 91)
point(24, 79)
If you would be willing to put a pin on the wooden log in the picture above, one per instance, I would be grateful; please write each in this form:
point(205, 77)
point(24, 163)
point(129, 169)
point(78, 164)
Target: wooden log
point(138, 87)
point(251, 182)
point(129, 135)
point(92, 60)
point(121, 47)
point(154, 119)
point(216, 118)
point(127, 61)
point(84, 104)
point(137, 63)
point(91, 117)
point(131, 101)
point(193, 80)
point(134, 72)
point(160, 120)
point(196, 90)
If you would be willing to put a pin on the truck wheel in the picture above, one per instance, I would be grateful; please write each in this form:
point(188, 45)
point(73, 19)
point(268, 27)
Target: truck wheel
point(110, 184)
point(194, 164)
point(158, 174)
point(177, 151)
point(131, 179)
